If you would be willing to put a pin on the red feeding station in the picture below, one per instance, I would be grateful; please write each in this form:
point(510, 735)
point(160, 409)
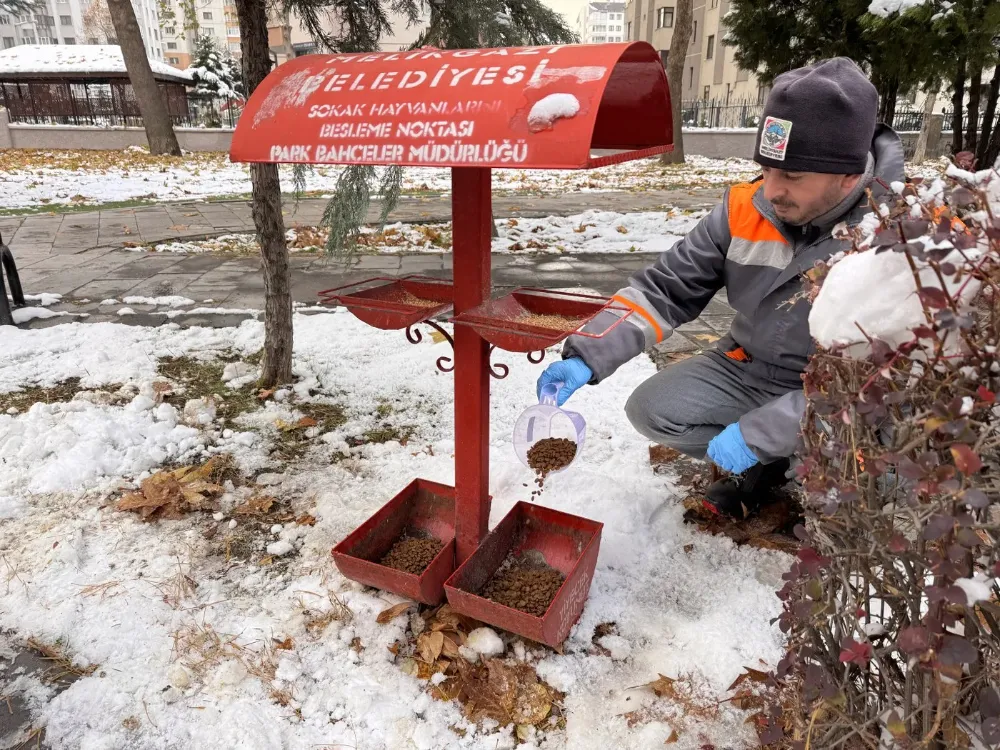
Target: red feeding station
point(563, 107)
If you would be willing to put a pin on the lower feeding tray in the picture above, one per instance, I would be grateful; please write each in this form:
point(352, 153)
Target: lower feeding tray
point(530, 320)
point(407, 547)
point(531, 574)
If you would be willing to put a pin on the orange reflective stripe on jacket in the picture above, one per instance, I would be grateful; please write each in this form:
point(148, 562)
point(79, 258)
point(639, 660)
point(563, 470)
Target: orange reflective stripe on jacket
point(639, 310)
point(745, 221)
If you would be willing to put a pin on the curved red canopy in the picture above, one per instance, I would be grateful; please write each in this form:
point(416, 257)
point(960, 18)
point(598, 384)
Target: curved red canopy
point(565, 107)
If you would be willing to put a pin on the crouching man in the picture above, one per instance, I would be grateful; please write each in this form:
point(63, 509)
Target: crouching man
point(741, 404)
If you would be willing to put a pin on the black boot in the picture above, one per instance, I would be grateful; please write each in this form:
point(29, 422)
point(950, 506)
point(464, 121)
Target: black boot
point(740, 495)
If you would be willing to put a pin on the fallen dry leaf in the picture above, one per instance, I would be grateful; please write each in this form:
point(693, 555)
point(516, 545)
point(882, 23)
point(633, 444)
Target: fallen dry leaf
point(258, 505)
point(306, 519)
point(266, 393)
point(388, 615)
point(663, 687)
point(672, 738)
point(661, 454)
point(430, 645)
point(752, 675)
point(622, 229)
point(286, 645)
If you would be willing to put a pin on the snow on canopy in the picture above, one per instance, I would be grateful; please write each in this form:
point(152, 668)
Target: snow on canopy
point(76, 58)
point(886, 8)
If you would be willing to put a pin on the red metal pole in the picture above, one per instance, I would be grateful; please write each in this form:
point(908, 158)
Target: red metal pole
point(471, 209)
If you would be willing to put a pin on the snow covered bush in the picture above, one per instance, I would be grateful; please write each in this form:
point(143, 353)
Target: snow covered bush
point(891, 605)
point(215, 73)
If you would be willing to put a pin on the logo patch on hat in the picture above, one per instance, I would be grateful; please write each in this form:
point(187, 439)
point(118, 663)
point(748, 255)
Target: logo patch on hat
point(774, 139)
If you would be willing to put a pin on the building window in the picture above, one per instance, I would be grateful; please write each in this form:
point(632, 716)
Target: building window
point(690, 77)
point(173, 60)
point(65, 20)
point(710, 50)
point(664, 18)
point(729, 90)
point(664, 57)
point(628, 29)
point(207, 32)
point(694, 34)
point(706, 93)
point(715, 3)
point(4, 20)
point(156, 34)
point(8, 42)
point(761, 93)
point(69, 40)
point(169, 30)
point(234, 47)
point(207, 15)
point(171, 45)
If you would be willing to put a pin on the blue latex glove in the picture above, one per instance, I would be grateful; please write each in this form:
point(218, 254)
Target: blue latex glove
point(573, 373)
point(730, 451)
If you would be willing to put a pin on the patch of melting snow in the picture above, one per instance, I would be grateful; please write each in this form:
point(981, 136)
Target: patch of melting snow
point(547, 110)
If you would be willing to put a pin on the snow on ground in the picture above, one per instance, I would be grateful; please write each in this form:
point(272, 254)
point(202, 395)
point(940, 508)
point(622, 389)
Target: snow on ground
point(588, 232)
point(700, 610)
point(31, 179)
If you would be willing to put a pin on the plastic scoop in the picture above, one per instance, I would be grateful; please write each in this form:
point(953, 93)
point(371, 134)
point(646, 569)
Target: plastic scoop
point(546, 420)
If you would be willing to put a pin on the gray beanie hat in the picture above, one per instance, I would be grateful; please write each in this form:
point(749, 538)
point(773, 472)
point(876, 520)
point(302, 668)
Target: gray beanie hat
point(820, 118)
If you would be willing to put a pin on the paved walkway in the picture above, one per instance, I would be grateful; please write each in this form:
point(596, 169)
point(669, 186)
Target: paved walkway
point(82, 257)
point(71, 233)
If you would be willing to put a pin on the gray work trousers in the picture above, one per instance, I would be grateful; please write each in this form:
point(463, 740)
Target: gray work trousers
point(689, 403)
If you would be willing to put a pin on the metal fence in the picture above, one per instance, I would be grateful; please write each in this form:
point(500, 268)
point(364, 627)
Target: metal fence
point(110, 103)
point(746, 113)
point(721, 113)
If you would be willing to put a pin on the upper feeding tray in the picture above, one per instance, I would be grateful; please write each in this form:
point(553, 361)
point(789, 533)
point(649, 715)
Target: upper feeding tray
point(393, 304)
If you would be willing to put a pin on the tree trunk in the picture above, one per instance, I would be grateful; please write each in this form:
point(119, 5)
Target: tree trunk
point(989, 115)
point(992, 150)
point(152, 107)
point(920, 154)
point(277, 365)
point(683, 24)
point(958, 106)
point(888, 94)
point(975, 93)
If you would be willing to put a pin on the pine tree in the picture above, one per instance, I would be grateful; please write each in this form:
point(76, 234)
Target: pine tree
point(933, 41)
point(17, 7)
point(215, 72)
point(453, 24)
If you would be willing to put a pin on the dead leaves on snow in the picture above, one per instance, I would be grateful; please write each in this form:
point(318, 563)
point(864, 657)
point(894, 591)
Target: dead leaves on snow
point(301, 424)
point(507, 693)
point(171, 494)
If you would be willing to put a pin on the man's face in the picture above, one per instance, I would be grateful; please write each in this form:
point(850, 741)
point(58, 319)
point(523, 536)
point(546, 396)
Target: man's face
point(799, 197)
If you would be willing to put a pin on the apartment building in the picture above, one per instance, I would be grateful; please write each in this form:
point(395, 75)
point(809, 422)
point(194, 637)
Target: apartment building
point(62, 22)
point(289, 38)
point(213, 18)
point(601, 22)
point(710, 72)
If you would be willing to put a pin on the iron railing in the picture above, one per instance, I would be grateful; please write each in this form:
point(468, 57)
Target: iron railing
point(110, 104)
point(721, 113)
